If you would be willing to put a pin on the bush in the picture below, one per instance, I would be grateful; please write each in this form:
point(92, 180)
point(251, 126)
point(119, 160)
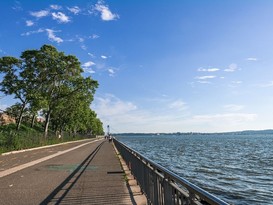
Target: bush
point(26, 137)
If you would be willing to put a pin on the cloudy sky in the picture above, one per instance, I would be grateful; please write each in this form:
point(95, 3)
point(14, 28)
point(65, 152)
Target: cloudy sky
point(162, 66)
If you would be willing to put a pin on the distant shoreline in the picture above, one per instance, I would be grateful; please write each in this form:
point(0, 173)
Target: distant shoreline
point(268, 131)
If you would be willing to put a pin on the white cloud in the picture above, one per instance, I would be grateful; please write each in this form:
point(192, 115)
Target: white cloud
point(52, 36)
point(87, 67)
point(80, 39)
point(84, 47)
point(222, 122)
point(232, 67)
point(17, 6)
point(110, 106)
point(235, 84)
point(252, 59)
point(204, 82)
point(205, 77)
point(178, 105)
point(89, 70)
point(33, 32)
point(94, 36)
point(29, 23)
point(125, 116)
point(208, 69)
point(40, 14)
point(88, 64)
point(266, 85)
point(55, 7)
point(121, 115)
point(111, 72)
point(106, 14)
point(229, 118)
point(50, 33)
point(75, 10)
point(233, 107)
point(91, 55)
point(70, 40)
point(104, 57)
point(60, 17)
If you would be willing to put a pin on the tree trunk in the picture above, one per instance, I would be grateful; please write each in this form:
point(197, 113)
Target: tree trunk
point(33, 120)
point(61, 133)
point(47, 123)
point(74, 133)
point(21, 116)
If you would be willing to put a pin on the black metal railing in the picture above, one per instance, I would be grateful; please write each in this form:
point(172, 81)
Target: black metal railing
point(160, 185)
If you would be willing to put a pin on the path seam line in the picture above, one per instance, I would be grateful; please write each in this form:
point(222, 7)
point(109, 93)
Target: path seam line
point(32, 163)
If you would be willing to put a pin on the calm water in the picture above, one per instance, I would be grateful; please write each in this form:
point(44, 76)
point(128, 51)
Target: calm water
point(236, 168)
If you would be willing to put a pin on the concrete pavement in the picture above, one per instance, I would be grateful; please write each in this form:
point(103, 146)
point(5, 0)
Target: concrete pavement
point(91, 174)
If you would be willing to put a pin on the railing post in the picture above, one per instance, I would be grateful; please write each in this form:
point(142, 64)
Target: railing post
point(156, 194)
point(191, 197)
point(167, 191)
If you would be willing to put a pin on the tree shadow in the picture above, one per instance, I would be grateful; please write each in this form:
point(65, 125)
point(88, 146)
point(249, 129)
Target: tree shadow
point(58, 194)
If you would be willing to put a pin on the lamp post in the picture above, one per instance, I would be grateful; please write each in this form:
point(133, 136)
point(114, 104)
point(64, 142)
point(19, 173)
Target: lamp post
point(108, 130)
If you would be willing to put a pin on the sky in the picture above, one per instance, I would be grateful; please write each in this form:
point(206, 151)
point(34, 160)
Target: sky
point(162, 65)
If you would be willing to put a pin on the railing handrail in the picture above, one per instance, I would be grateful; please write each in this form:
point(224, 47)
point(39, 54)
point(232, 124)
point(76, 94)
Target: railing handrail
point(179, 180)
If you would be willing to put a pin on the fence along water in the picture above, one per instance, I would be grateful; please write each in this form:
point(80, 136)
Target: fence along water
point(160, 185)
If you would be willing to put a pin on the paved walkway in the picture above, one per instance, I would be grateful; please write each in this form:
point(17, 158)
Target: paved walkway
point(16, 158)
point(105, 184)
point(98, 179)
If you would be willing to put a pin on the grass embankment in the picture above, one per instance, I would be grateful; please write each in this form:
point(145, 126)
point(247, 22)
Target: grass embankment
point(26, 137)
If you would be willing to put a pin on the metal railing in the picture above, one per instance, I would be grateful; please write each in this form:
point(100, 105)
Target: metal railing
point(160, 185)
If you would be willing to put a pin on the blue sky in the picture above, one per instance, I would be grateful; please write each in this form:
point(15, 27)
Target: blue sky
point(162, 66)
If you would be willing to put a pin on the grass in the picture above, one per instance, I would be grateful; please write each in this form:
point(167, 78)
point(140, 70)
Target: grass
point(26, 137)
point(125, 178)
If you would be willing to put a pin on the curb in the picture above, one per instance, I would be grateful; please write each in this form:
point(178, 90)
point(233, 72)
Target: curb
point(31, 163)
point(132, 185)
point(42, 147)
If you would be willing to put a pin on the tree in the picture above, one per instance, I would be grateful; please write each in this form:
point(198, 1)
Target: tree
point(73, 114)
point(14, 111)
point(61, 78)
point(14, 83)
point(49, 80)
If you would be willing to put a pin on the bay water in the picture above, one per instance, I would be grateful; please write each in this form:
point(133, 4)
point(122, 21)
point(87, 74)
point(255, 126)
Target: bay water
point(236, 167)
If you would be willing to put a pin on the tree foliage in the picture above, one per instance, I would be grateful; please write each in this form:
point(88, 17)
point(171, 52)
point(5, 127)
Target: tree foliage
point(51, 81)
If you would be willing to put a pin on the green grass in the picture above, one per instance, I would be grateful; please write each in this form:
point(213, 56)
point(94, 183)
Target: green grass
point(26, 137)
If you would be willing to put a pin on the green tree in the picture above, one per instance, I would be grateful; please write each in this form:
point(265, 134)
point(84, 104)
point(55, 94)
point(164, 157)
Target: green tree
point(14, 83)
point(14, 111)
point(52, 81)
point(59, 78)
point(71, 114)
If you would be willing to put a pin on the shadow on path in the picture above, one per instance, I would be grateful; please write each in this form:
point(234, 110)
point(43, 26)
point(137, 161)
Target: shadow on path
point(58, 194)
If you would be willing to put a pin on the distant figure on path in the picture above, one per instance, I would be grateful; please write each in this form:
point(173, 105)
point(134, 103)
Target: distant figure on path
point(110, 138)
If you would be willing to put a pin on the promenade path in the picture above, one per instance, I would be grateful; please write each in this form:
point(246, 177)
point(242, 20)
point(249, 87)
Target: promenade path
point(90, 174)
